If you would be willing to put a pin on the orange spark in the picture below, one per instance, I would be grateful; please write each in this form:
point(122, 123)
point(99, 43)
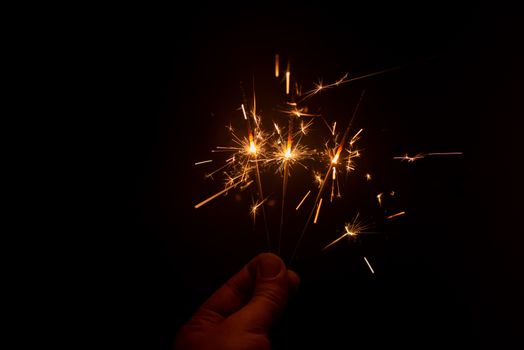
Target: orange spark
point(395, 215)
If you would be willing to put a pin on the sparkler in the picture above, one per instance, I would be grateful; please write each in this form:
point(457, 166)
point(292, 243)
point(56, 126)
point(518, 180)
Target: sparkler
point(254, 154)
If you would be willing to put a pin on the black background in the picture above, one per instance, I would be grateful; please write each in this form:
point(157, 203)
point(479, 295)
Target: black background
point(169, 80)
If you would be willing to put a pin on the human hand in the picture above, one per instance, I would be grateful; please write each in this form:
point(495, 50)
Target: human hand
point(239, 314)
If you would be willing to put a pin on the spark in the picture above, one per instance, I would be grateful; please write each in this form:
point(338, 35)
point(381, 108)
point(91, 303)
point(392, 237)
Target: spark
point(334, 178)
point(406, 157)
point(215, 195)
point(355, 137)
point(351, 230)
point(349, 163)
point(395, 215)
point(368, 177)
point(244, 112)
point(318, 87)
point(330, 128)
point(410, 159)
point(294, 111)
point(343, 80)
point(318, 179)
point(318, 211)
point(288, 74)
point(303, 199)
point(243, 187)
point(379, 199)
point(369, 265)
point(304, 127)
point(255, 206)
point(204, 161)
point(225, 149)
point(228, 164)
point(298, 89)
point(277, 128)
point(335, 241)
point(277, 66)
point(349, 233)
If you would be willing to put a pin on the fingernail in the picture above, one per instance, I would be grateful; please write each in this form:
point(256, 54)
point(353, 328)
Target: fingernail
point(269, 268)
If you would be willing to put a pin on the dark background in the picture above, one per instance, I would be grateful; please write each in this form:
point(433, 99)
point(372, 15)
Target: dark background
point(447, 273)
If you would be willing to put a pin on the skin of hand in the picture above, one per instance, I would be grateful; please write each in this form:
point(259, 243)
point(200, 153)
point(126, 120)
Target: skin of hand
point(239, 314)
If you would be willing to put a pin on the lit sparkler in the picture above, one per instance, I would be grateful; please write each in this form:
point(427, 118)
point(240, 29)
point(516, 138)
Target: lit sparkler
point(255, 153)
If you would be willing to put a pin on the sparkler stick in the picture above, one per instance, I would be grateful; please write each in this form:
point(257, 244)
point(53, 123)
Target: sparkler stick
point(259, 183)
point(287, 156)
point(254, 152)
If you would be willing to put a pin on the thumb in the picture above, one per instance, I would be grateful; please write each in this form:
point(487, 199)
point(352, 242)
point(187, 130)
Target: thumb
point(270, 294)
